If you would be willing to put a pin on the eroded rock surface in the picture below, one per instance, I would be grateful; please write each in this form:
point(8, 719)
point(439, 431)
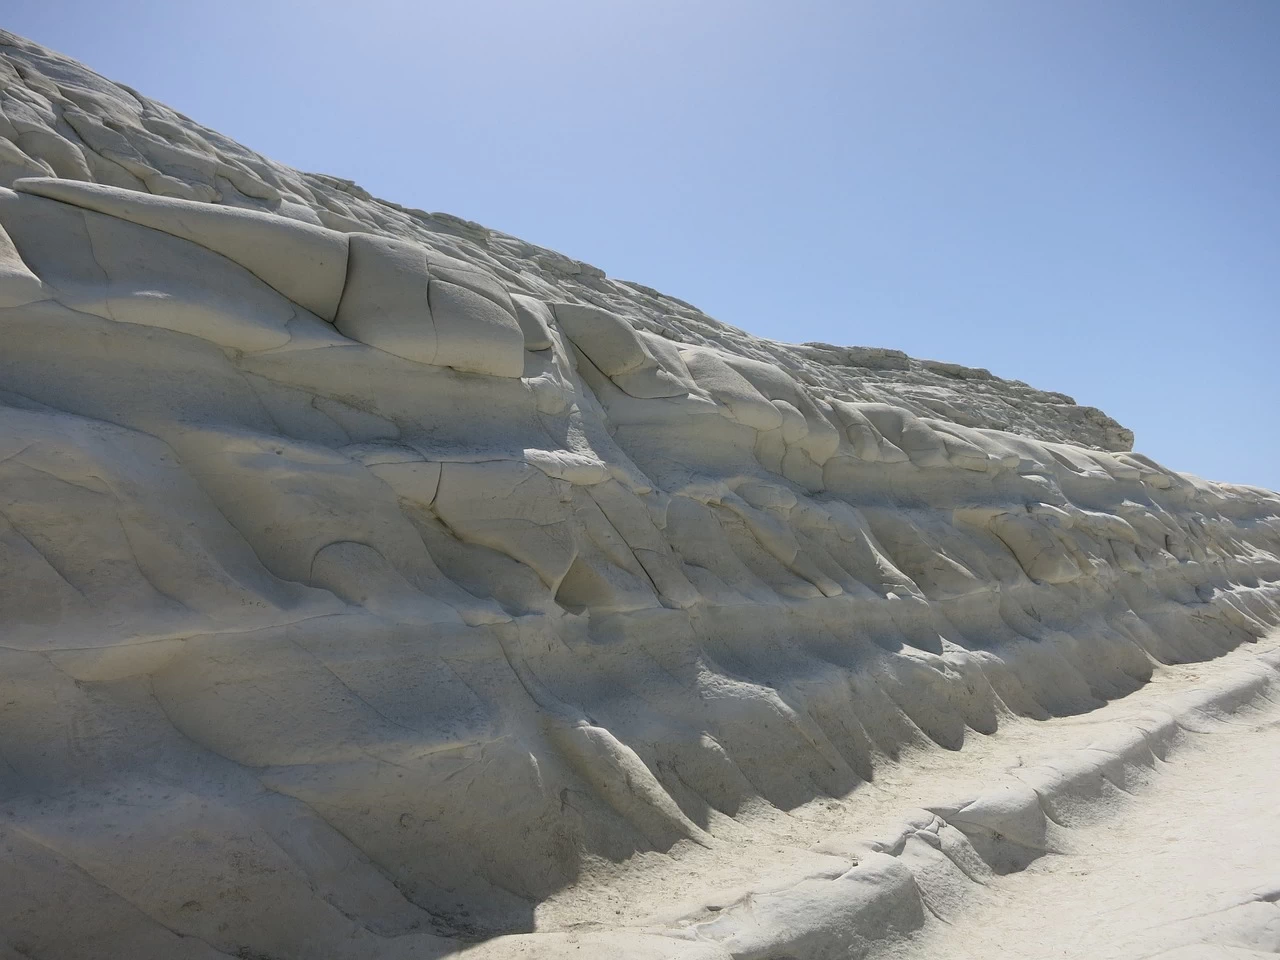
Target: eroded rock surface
point(370, 575)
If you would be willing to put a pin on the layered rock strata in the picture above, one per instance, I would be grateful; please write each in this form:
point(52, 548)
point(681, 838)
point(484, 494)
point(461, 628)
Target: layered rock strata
point(371, 574)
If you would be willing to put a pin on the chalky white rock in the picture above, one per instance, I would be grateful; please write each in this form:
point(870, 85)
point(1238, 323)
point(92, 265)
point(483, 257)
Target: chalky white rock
point(378, 585)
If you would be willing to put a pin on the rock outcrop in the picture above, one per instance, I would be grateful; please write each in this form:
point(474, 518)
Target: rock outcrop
point(371, 574)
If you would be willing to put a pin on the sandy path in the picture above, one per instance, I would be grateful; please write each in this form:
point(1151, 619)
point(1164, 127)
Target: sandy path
point(1188, 867)
point(773, 849)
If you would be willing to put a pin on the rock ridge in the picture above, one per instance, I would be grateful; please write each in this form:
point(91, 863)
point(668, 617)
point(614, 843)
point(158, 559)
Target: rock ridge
point(373, 578)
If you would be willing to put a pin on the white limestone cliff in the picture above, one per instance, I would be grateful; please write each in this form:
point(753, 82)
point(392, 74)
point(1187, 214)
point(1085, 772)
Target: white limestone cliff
point(371, 576)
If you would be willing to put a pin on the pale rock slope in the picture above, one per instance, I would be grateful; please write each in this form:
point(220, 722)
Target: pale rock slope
point(372, 578)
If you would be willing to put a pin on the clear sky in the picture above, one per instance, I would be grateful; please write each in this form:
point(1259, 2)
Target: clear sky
point(1083, 194)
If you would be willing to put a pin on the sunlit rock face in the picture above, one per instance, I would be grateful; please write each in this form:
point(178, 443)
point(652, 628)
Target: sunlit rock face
point(370, 574)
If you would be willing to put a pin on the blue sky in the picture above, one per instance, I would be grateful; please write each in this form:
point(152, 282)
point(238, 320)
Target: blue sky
point(1083, 195)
